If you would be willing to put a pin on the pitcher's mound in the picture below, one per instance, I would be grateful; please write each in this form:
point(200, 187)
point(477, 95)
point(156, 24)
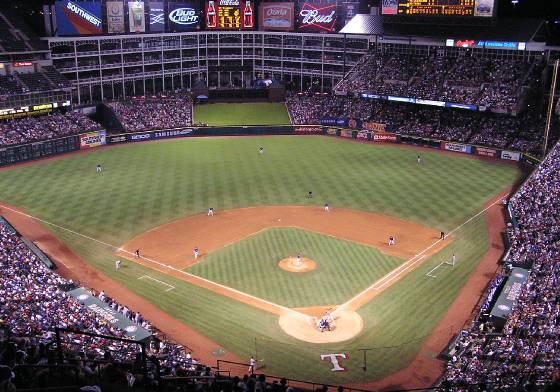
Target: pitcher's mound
point(290, 264)
point(346, 325)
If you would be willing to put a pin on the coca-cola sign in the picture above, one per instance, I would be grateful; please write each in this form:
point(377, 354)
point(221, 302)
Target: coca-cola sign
point(276, 16)
point(317, 17)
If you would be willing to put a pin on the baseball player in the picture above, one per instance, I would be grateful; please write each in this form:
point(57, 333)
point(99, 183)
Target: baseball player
point(391, 240)
point(442, 235)
point(298, 259)
point(117, 264)
point(326, 207)
point(310, 195)
point(195, 252)
point(453, 259)
point(211, 211)
point(98, 169)
point(418, 159)
point(252, 365)
point(261, 150)
point(137, 251)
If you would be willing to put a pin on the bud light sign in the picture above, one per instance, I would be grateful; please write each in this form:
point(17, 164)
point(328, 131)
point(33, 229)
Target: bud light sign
point(183, 16)
point(319, 18)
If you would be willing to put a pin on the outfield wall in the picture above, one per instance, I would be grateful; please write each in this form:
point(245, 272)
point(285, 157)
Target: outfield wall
point(376, 133)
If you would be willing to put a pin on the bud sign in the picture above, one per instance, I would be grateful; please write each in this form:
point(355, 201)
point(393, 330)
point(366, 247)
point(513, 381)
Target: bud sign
point(317, 17)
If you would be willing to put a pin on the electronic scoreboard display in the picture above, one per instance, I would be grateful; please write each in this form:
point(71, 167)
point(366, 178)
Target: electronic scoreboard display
point(478, 8)
point(229, 15)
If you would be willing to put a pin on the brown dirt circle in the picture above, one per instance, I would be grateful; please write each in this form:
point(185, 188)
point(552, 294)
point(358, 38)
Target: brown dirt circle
point(290, 264)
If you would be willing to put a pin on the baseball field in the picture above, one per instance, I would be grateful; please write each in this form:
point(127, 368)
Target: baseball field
point(236, 297)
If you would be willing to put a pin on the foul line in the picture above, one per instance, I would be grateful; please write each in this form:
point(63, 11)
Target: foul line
point(157, 280)
point(194, 277)
point(397, 272)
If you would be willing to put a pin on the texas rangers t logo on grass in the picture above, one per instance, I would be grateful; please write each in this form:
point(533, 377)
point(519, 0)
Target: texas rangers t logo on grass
point(335, 361)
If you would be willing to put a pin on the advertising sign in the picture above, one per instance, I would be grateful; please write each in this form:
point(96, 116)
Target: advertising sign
point(229, 15)
point(511, 156)
point(276, 16)
point(173, 133)
point(78, 17)
point(486, 152)
point(140, 137)
point(510, 293)
point(301, 130)
point(350, 10)
point(464, 148)
point(92, 139)
point(389, 7)
point(183, 16)
point(156, 17)
point(115, 17)
point(318, 18)
point(371, 126)
point(136, 19)
point(385, 137)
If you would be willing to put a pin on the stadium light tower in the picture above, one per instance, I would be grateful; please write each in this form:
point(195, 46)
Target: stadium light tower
point(550, 106)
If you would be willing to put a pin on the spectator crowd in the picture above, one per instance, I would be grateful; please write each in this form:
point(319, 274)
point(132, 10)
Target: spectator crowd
point(51, 126)
point(521, 133)
point(525, 355)
point(148, 113)
point(496, 83)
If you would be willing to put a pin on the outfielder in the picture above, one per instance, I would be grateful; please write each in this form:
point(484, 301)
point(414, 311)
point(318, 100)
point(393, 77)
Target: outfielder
point(326, 207)
point(418, 159)
point(98, 168)
point(261, 150)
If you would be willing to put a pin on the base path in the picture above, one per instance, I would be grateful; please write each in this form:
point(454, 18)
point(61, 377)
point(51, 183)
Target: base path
point(168, 249)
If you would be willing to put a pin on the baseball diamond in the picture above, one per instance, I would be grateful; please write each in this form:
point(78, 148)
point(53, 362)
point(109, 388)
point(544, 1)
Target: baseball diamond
point(154, 197)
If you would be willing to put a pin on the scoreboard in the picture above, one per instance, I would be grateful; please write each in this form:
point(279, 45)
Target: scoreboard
point(229, 15)
point(478, 8)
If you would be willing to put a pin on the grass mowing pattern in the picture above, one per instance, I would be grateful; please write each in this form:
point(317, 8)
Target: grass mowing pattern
point(146, 185)
point(258, 113)
point(343, 268)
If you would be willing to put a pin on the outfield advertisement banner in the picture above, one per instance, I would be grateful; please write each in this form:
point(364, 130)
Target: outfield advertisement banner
point(376, 127)
point(486, 152)
point(363, 135)
point(78, 17)
point(385, 137)
point(464, 148)
point(336, 121)
point(173, 133)
point(183, 17)
point(133, 331)
point(510, 155)
point(116, 139)
point(301, 130)
point(115, 17)
point(92, 139)
point(140, 137)
point(156, 17)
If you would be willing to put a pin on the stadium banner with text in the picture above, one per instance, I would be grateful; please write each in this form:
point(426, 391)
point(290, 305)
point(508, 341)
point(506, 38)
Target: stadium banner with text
point(229, 15)
point(308, 130)
point(385, 137)
point(171, 133)
point(363, 135)
point(510, 293)
point(92, 303)
point(276, 16)
point(136, 17)
point(464, 148)
point(92, 139)
point(156, 17)
point(460, 106)
point(389, 7)
point(140, 137)
point(76, 17)
point(486, 152)
point(331, 131)
point(317, 17)
point(183, 17)
point(372, 126)
point(115, 17)
point(335, 121)
point(510, 155)
point(116, 139)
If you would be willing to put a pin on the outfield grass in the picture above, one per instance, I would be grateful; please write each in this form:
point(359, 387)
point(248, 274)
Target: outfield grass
point(257, 113)
point(146, 185)
point(251, 266)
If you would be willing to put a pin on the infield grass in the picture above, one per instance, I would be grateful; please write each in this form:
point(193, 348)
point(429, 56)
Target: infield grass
point(146, 185)
point(255, 113)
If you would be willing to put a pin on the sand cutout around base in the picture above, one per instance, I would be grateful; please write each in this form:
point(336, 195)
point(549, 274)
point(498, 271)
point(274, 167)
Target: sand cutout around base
point(347, 324)
point(290, 264)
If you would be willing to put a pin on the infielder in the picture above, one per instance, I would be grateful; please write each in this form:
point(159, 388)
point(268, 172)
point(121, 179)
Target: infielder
point(137, 251)
point(391, 240)
point(98, 168)
point(211, 211)
point(442, 235)
point(326, 207)
point(117, 264)
point(195, 252)
point(298, 259)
